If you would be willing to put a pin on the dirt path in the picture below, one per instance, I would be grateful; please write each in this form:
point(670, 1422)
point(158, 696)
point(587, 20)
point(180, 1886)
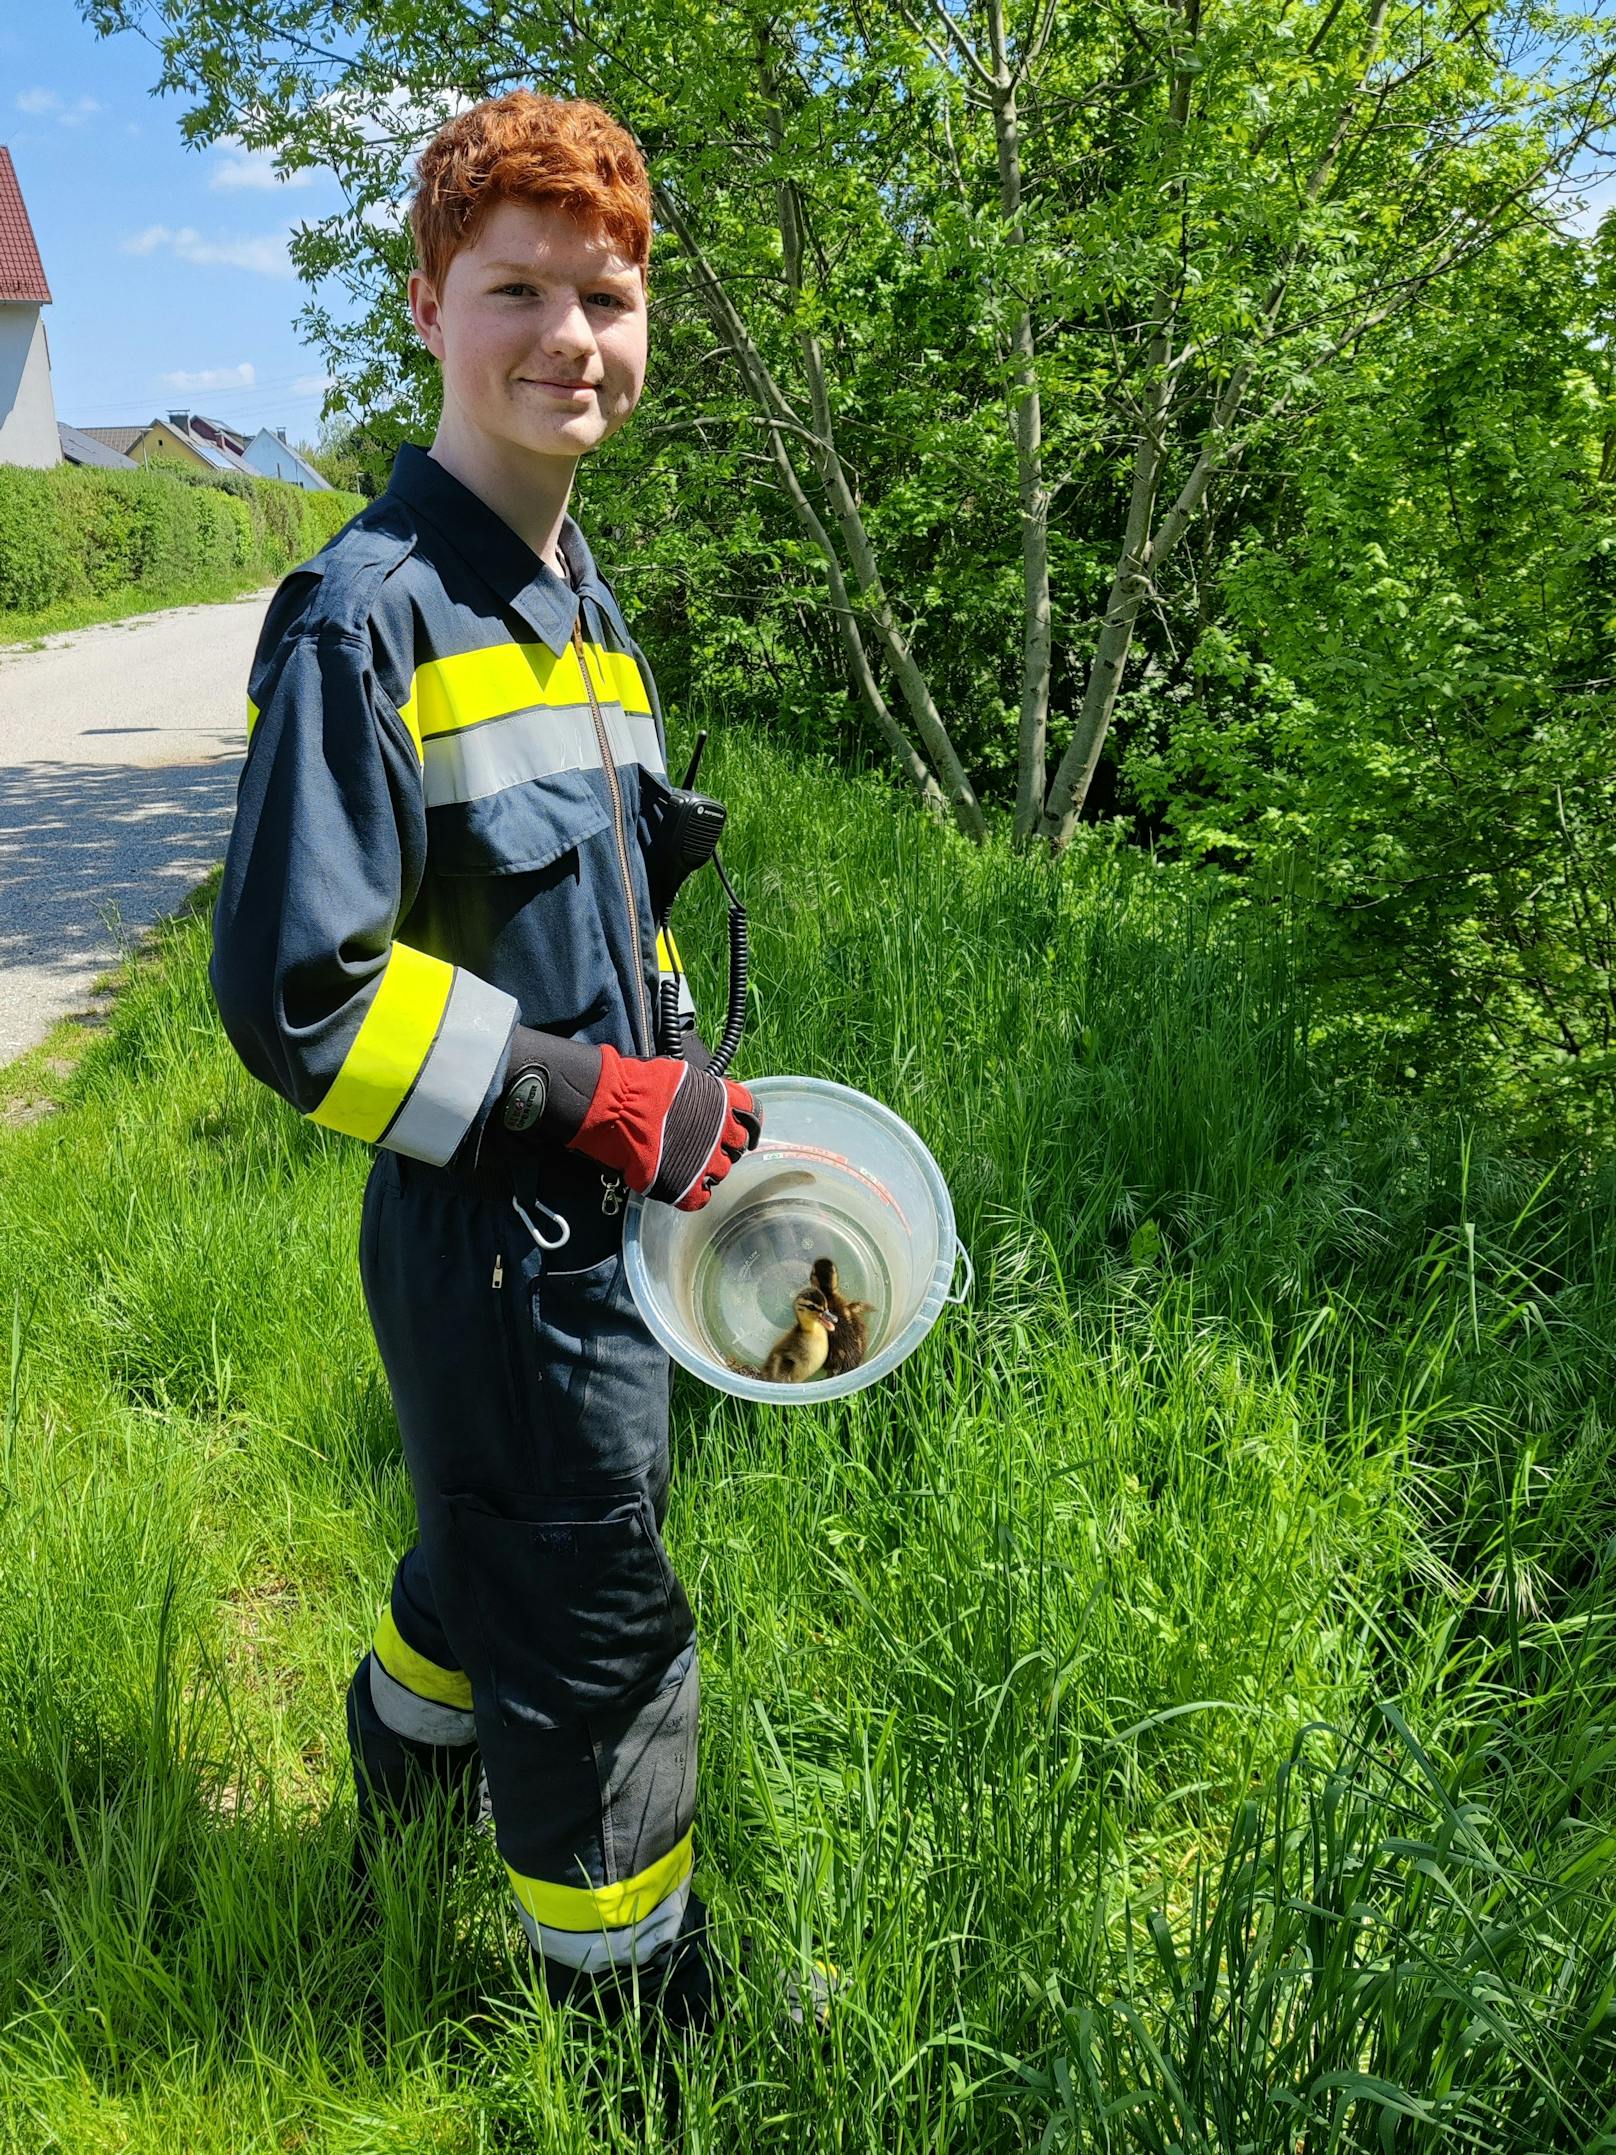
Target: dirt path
point(119, 752)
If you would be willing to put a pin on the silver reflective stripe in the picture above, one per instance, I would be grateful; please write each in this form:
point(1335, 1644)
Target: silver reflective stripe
point(484, 759)
point(593, 1951)
point(457, 1073)
point(423, 1720)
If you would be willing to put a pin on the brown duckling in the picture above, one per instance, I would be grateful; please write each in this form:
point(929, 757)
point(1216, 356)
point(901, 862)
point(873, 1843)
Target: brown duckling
point(849, 1338)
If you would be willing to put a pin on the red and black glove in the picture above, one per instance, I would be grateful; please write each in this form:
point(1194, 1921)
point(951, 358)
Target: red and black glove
point(671, 1129)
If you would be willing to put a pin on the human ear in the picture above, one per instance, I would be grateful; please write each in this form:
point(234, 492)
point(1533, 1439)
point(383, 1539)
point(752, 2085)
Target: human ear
point(426, 312)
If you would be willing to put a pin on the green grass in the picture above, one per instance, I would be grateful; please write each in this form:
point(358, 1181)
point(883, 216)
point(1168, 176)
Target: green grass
point(125, 603)
point(1181, 1701)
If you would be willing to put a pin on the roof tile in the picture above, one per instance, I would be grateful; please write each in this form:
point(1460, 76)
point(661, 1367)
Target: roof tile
point(22, 274)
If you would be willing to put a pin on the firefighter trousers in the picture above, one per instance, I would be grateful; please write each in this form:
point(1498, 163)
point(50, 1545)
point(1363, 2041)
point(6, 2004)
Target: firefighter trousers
point(537, 1622)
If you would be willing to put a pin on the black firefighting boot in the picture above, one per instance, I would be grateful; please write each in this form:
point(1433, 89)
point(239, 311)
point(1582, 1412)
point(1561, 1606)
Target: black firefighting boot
point(396, 1779)
point(682, 1993)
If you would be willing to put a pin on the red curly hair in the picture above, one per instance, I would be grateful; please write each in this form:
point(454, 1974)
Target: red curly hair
point(556, 153)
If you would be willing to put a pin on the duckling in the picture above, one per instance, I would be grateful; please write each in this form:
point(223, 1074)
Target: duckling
point(849, 1338)
point(800, 1353)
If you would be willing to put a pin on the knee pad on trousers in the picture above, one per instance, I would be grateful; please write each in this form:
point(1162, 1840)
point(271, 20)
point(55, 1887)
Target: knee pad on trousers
point(393, 1776)
point(577, 1605)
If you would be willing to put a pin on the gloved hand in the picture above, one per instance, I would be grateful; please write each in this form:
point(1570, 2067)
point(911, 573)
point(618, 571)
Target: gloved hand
point(671, 1129)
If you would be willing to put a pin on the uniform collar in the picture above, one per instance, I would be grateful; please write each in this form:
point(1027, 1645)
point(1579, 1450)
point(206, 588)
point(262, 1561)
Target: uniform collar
point(505, 562)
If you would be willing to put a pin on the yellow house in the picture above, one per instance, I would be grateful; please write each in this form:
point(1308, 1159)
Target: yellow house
point(155, 443)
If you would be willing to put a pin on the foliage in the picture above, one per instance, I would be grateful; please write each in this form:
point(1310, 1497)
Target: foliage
point(77, 531)
point(1404, 713)
point(890, 234)
point(1180, 1700)
point(1238, 241)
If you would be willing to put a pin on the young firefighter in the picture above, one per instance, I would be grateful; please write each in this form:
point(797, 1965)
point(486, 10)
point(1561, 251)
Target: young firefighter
point(435, 933)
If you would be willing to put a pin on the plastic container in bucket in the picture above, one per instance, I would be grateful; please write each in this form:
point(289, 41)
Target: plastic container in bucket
point(835, 1175)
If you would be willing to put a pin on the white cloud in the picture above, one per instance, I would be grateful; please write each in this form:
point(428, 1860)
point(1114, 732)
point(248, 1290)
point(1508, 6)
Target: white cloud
point(242, 167)
point(242, 377)
point(267, 256)
point(312, 385)
point(40, 103)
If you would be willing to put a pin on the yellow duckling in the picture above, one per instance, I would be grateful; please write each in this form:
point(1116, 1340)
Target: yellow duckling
point(800, 1353)
point(849, 1339)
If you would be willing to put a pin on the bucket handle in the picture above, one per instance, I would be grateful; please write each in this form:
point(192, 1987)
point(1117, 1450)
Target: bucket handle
point(962, 1254)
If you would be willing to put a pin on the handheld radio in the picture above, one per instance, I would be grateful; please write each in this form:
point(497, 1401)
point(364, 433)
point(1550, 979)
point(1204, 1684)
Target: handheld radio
point(686, 827)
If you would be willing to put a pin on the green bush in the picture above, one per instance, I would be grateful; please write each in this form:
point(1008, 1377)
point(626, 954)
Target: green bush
point(36, 562)
point(243, 532)
point(75, 532)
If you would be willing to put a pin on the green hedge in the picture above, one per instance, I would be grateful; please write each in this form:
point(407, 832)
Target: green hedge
point(75, 532)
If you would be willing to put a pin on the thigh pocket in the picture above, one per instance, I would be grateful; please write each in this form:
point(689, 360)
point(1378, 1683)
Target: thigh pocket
point(593, 1379)
point(577, 1603)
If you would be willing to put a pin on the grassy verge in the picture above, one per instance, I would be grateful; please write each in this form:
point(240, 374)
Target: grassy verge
point(1181, 1701)
point(125, 604)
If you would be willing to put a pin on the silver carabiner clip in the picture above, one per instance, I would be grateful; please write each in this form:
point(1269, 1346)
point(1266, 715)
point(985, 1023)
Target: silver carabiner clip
point(560, 1241)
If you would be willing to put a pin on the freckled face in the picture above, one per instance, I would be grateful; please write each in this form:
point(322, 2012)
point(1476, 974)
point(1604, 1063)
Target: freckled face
point(540, 330)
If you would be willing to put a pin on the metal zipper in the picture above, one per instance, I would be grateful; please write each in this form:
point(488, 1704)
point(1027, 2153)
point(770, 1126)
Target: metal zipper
point(610, 768)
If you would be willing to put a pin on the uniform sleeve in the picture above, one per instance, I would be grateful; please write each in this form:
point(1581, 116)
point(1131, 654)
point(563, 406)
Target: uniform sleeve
point(362, 1033)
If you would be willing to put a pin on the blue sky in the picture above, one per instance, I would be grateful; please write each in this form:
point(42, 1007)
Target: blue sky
point(167, 266)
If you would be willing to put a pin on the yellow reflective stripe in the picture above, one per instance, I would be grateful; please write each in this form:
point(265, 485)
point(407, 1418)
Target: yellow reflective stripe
point(449, 694)
point(593, 1908)
point(449, 1687)
point(668, 959)
point(625, 679)
point(390, 1046)
point(252, 717)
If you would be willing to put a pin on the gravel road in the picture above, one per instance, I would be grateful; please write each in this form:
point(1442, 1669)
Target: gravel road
point(120, 747)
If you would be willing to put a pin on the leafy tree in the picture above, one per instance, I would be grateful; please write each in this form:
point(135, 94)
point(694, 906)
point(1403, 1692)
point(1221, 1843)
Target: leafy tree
point(1403, 715)
point(1037, 269)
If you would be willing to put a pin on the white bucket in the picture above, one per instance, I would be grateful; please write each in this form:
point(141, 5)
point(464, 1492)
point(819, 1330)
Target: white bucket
point(835, 1175)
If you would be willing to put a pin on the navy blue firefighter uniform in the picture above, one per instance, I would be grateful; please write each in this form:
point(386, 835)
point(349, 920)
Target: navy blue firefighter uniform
point(439, 833)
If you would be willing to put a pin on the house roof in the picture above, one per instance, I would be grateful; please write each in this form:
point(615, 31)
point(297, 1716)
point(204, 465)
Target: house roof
point(22, 273)
point(79, 446)
point(123, 439)
point(221, 445)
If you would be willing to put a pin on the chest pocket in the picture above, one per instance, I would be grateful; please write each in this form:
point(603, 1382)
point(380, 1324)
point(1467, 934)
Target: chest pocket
point(520, 828)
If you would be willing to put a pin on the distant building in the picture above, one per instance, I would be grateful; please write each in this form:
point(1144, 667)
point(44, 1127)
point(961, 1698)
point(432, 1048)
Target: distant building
point(209, 445)
point(81, 448)
point(218, 446)
point(269, 453)
point(27, 409)
point(155, 443)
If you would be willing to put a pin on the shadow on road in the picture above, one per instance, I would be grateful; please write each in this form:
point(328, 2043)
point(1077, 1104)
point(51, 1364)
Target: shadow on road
point(80, 842)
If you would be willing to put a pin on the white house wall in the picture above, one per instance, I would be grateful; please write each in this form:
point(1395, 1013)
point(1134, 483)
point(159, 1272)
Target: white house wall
point(27, 408)
point(270, 457)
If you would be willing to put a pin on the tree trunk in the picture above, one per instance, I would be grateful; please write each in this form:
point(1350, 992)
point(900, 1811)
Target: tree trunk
point(1139, 557)
point(1026, 420)
point(727, 321)
point(1141, 554)
point(765, 390)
